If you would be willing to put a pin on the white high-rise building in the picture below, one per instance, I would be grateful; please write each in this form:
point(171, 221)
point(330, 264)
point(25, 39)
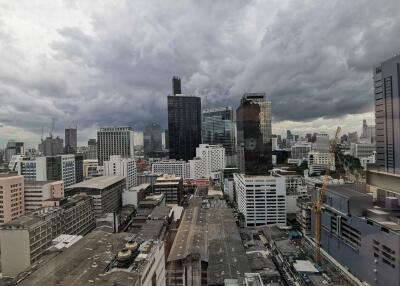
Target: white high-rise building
point(122, 166)
point(172, 167)
point(114, 141)
point(261, 199)
point(213, 157)
point(197, 168)
point(68, 169)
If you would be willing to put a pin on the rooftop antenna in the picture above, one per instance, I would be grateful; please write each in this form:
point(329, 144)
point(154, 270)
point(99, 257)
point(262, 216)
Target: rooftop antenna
point(52, 127)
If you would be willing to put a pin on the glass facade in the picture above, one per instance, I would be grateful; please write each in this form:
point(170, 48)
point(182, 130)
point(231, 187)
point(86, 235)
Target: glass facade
point(152, 139)
point(253, 119)
point(218, 127)
point(387, 114)
point(184, 126)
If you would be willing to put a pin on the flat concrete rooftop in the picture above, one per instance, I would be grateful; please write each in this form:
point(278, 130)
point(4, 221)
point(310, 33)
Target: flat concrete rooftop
point(100, 183)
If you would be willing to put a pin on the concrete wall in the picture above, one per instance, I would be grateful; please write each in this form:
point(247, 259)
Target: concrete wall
point(15, 251)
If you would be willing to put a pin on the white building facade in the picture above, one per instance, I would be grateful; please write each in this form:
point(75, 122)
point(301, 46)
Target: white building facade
point(68, 169)
point(261, 199)
point(122, 166)
point(172, 167)
point(319, 162)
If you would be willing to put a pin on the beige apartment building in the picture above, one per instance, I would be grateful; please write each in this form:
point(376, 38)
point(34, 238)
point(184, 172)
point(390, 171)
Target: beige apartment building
point(11, 197)
point(42, 194)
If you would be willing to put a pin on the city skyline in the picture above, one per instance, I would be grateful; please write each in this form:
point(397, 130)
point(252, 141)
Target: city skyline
point(84, 58)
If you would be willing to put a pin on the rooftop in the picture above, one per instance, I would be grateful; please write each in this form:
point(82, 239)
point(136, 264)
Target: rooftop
point(346, 190)
point(101, 182)
point(143, 186)
point(90, 260)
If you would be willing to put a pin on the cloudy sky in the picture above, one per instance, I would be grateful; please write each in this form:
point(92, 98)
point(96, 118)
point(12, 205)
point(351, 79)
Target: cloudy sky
point(103, 63)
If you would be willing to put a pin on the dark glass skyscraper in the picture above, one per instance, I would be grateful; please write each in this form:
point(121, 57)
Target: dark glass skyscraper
point(176, 85)
point(184, 126)
point(152, 139)
point(253, 120)
point(387, 114)
point(218, 127)
point(70, 140)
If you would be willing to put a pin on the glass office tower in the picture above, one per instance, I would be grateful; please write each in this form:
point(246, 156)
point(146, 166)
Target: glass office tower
point(253, 120)
point(152, 140)
point(184, 126)
point(218, 127)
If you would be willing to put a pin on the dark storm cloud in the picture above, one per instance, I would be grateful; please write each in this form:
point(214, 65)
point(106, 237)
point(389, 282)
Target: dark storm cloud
point(313, 59)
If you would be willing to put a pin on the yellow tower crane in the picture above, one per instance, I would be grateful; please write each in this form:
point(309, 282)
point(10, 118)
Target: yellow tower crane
point(319, 201)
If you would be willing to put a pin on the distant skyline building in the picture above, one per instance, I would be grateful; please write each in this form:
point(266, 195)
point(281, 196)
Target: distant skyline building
point(253, 120)
point(184, 126)
point(13, 148)
point(92, 150)
point(218, 127)
point(71, 140)
point(51, 146)
point(321, 143)
point(114, 141)
point(152, 140)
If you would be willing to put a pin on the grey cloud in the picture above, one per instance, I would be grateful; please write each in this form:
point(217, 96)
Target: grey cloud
point(313, 59)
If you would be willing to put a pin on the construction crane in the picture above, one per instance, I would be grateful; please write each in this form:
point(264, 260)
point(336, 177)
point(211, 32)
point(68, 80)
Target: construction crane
point(319, 201)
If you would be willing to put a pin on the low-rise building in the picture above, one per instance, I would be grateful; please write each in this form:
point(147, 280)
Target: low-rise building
point(103, 259)
point(171, 167)
point(106, 192)
point(171, 186)
point(320, 162)
point(26, 239)
point(135, 194)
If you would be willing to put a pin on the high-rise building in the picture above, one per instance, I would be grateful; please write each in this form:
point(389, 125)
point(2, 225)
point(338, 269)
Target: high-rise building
point(321, 143)
point(71, 140)
point(51, 146)
point(122, 166)
point(13, 148)
point(218, 128)
point(176, 85)
point(92, 150)
point(261, 199)
point(387, 114)
point(78, 168)
point(253, 120)
point(114, 141)
point(184, 126)
point(152, 140)
point(12, 203)
point(213, 162)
